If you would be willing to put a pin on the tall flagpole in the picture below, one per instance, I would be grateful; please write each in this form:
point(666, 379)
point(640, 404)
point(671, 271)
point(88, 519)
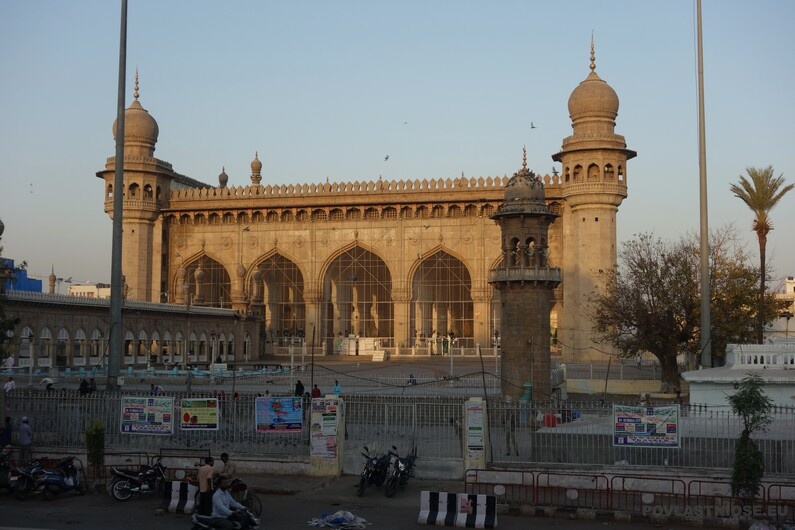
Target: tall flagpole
point(706, 326)
point(115, 344)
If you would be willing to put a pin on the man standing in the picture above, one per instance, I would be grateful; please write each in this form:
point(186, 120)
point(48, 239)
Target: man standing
point(25, 440)
point(299, 388)
point(188, 381)
point(205, 478)
point(10, 361)
point(9, 386)
point(5, 434)
point(316, 392)
point(510, 427)
point(336, 389)
point(229, 470)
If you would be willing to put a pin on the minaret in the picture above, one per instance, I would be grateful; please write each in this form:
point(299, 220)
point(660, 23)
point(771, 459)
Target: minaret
point(146, 188)
point(594, 184)
point(525, 281)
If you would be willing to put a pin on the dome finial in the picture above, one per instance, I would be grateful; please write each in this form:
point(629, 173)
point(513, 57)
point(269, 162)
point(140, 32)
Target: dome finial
point(135, 90)
point(524, 157)
point(593, 55)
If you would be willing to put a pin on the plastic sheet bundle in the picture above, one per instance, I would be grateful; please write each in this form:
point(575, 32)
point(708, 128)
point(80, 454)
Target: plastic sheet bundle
point(341, 519)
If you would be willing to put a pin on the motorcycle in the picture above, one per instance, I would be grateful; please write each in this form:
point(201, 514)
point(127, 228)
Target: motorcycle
point(7, 473)
point(401, 472)
point(148, 479)
point(65, 477)
point(245, 520)
point(375, 470)
point(23, 479)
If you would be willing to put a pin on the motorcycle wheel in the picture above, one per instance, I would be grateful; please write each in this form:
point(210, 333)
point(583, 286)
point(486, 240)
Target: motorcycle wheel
point(50, 493)
point(391, 486)
point(121, 490)
point(23, 488)
point(362, 486)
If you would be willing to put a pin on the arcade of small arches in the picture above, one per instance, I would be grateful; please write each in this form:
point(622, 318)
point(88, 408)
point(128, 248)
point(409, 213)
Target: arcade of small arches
point(594, 173)
point(40, 348)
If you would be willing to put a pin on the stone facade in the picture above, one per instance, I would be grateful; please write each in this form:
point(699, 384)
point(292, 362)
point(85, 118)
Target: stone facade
point(401, 262)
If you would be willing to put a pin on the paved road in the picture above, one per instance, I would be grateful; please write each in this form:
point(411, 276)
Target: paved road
point(281, 512)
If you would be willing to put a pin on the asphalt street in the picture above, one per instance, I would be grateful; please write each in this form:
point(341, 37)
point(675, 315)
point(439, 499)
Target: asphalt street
point(98, 511)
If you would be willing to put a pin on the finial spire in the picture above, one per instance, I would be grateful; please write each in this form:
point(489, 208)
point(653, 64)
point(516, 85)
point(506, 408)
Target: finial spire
point(135, 93)
point(524, 157)
point(593, 55)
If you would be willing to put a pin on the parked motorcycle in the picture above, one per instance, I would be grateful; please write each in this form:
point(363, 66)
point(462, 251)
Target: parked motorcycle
point(246, 520)
point(23, 479)
point(375, 470)
point(6, 471)
point(148, 479)
point(401, 472)
point(65, 477)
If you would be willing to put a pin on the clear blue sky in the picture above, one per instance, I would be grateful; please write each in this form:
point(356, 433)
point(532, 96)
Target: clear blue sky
point(322, 90)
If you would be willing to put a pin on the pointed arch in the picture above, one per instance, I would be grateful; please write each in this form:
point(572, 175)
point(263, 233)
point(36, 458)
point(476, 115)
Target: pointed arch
point(282, 294)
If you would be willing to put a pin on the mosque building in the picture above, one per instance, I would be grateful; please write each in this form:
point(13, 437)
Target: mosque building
point(352, 267)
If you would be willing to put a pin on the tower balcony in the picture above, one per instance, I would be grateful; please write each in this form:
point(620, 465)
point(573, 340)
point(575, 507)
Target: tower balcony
point(542, 275)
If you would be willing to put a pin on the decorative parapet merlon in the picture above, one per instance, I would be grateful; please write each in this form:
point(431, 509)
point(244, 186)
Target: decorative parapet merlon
point(348, 188)
point(526, 274)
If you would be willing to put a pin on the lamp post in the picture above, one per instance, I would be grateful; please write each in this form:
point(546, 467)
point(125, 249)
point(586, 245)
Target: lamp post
point(212, 347)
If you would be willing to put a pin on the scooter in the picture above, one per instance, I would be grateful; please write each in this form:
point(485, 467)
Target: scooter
point(401, 472)
point(244, 521)
point(375, 470)
point(149, 479)
point(65, 477)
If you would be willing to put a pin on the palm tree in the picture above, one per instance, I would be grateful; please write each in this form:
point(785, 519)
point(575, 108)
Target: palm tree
point(761, 193)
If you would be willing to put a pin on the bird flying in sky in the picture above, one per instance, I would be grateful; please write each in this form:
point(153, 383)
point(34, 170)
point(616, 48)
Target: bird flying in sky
point(386, 158)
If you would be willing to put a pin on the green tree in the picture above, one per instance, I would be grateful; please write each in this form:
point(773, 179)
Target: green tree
point(651, 301)
point(753, 407)
point(761, 193)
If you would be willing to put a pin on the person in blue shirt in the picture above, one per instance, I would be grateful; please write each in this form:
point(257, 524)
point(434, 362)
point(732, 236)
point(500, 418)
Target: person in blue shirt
point(226, 510)
point(336, 390)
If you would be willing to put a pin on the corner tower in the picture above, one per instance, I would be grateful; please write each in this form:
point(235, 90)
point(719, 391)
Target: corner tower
point(525, 281)
point(593, 185)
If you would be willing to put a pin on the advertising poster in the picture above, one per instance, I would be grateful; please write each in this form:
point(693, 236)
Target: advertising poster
point(646, 426)
point(474, 425)
point(324, 428)
point(199, 415)
point(278, 414)
point(147, 415)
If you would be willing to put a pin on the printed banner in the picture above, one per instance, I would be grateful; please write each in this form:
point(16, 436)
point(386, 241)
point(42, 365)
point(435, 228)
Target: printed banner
point(474, 424)
point(199, 414)
point(646, 426)
point(324, 428)
point(147, 415)
point(278, 414)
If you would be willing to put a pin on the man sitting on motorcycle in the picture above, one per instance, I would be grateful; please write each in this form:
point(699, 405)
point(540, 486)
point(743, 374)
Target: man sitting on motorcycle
point(226, 510)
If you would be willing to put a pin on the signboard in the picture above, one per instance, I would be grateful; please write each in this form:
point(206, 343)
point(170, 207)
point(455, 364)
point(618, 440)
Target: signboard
point(147, 415)
point(324, 428)
point(474, 425)
point(635, 426)
point(199, 415)
point(278, 414)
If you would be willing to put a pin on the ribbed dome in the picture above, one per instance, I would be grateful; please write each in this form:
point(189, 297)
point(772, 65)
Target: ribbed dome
point(524, 194)
point(593, 97)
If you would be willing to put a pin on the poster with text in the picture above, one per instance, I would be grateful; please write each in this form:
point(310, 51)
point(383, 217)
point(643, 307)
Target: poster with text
point(199, 414)
point(147, 415)
point(278, 414)
point(637, 426)
point(474, 426)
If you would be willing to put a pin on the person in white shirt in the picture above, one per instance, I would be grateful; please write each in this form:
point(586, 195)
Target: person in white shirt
point(9, 363)
point(9, 386)
point(226, 510)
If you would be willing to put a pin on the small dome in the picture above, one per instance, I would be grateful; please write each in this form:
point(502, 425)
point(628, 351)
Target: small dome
point(223, 178)
point(140, 128)
point(524, 194)
point(593, 97)
point(256, 165)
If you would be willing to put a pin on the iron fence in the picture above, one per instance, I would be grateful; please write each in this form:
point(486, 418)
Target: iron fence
point(581, 432)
